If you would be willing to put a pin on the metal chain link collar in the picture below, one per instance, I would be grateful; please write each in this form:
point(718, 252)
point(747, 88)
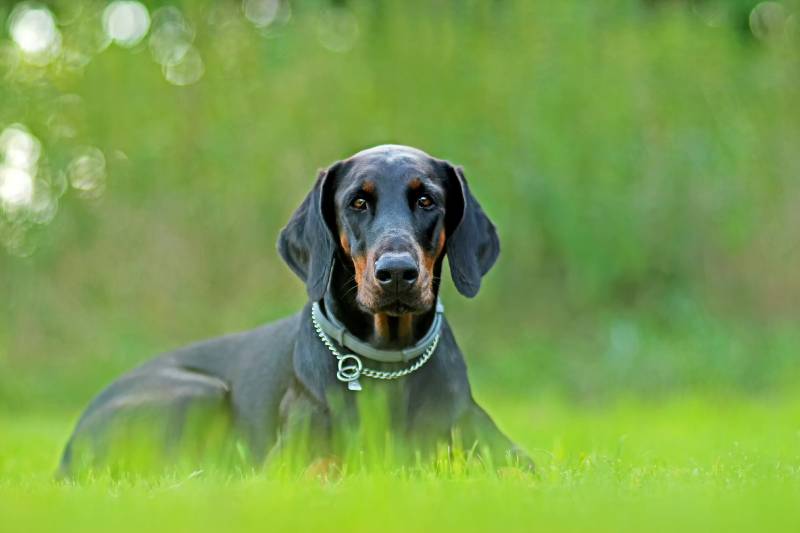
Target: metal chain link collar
point(351, 368)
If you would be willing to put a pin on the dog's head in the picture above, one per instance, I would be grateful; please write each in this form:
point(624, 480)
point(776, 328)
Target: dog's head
point(391, 213)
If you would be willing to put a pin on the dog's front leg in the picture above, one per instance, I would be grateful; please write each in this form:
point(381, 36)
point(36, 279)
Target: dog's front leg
point(305, 428)
point(477, 429)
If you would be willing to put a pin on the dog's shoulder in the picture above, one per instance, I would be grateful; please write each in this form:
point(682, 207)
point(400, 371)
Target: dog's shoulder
point(231, 356)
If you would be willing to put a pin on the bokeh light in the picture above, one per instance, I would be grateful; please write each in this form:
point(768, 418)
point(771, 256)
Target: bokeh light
point(188, 70)
point(261, 12)
point(33, 29)
point(126, 22)
point(16, 188)
point(337, 29)
point(20, 152)
point(20, 149)
point(171, 36)
point(44, 203)
point(768, 20)
point(28, 192)
point(87, 172)
point(85, 37)
point(265, 13)
point(171, 46)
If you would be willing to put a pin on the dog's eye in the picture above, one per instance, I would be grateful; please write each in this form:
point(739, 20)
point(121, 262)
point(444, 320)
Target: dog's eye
point(359, 204)
point(425, 202)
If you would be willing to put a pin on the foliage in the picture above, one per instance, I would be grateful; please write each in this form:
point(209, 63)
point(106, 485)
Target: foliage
point(639, 162)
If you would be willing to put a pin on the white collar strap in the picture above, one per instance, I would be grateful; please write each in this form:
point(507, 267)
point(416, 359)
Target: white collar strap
point(350, 366)
point(337, 332)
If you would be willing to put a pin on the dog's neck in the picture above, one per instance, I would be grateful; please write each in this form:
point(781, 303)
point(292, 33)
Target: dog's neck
point(381, 331)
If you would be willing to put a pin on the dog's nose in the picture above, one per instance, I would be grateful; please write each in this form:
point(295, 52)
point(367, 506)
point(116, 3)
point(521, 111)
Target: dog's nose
point(396, 270)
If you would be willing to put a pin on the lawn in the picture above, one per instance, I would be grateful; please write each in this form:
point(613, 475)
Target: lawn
point(695, 462)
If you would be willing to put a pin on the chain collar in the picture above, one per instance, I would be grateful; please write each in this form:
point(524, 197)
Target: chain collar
point(337, 332)
point(350, 366)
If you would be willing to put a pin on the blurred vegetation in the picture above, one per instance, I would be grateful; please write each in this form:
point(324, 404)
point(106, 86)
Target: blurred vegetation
point(640, 159)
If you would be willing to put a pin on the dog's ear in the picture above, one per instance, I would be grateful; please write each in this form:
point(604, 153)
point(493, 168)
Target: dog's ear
point(306, 243)
point(472, 242)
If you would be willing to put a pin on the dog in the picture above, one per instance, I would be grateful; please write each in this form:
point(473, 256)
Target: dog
point(369, 242)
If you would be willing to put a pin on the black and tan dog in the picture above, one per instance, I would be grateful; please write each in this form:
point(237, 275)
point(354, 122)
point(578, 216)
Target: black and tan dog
point(368, 241)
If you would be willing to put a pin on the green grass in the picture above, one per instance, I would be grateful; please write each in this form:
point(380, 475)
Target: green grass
point(705, 463)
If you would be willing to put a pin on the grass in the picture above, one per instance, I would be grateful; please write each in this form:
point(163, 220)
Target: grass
point(700, 462)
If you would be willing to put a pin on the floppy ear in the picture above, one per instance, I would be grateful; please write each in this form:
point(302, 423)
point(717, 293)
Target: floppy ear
point(306, 243)
point(472, 242)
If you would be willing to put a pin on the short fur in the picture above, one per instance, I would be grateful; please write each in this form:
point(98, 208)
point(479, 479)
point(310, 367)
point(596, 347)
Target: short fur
point(259, 380)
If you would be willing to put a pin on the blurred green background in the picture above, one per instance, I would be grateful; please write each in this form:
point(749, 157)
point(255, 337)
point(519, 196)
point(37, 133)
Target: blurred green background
point(640, 160)
point(639, 335)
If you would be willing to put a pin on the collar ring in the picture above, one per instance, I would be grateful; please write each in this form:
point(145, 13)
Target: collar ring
point(350, 367)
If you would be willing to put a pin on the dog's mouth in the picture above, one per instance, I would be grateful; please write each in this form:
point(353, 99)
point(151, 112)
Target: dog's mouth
point(400, 308)
point(399, 305)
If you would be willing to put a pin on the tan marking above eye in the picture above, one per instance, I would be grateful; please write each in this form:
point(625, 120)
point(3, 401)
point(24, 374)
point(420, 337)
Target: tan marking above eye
point(415, 184)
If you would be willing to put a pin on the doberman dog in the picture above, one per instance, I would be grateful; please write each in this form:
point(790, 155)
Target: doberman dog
point(369, 242)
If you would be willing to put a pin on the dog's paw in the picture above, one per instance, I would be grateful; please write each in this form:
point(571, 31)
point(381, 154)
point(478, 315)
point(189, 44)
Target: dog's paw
point(323, 469)
point(519, 459)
